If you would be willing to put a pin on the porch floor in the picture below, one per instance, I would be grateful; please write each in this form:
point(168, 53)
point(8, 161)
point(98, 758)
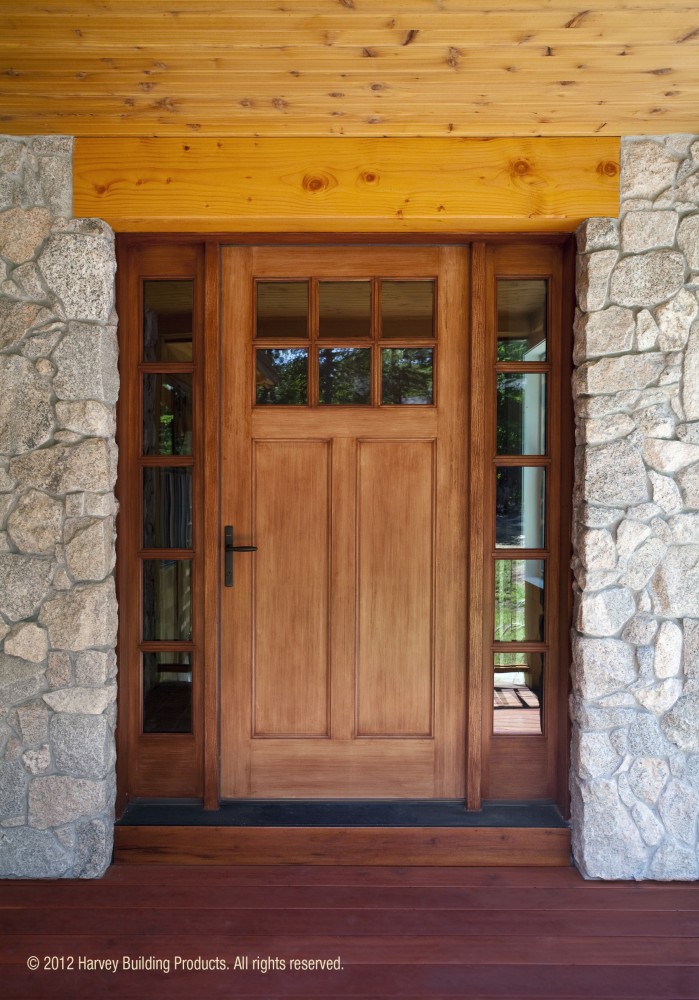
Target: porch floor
point(411, 932)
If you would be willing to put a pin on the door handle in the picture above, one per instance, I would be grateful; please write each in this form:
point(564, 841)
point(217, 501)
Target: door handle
point(229, 548)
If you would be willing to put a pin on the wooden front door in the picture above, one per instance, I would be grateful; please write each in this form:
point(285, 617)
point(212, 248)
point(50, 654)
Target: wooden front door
point(343, 461)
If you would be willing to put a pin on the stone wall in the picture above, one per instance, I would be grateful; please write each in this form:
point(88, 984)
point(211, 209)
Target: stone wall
point(58, 616)
point(635, 703)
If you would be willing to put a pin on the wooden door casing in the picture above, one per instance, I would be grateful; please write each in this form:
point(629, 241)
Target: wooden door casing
point(343, 647)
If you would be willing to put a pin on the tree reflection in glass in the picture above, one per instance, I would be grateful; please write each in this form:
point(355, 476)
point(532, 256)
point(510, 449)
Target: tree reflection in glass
point(406, 375)
point(519, 600)
point(345, 375)
point(282, 376)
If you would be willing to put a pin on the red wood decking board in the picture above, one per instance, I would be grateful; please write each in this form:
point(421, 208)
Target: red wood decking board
point(482, 933)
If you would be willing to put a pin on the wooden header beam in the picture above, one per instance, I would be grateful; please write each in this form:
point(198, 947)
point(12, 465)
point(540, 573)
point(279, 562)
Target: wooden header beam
point(390, 185)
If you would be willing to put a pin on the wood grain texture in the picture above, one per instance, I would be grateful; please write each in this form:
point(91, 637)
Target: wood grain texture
point(395, 526)
point(435, 931)
point(356, 185)
point(291, 530)
point(348, 68)
point(342, 846)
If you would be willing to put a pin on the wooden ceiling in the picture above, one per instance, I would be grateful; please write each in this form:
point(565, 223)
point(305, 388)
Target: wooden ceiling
point(247, 68)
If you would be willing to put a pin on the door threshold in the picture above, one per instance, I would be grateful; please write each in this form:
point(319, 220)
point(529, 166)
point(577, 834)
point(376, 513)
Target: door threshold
point(342, 832)
point(341, 813)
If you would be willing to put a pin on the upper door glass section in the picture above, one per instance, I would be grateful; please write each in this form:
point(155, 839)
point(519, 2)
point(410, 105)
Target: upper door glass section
point(361, 341)
point(282, 310)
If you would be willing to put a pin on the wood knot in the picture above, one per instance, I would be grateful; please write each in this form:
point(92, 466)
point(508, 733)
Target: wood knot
point(608, 168)
point(520, 168)
point(318, 182)
point(369, 177)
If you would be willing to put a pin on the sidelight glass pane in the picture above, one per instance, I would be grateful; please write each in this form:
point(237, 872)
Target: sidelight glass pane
point(521, 428)
point(519, 600)
point(281, 377)
point(522, 319)
point(167, 507)
point(167, 599)
point(519, 507)
point(344, 309)
point(518, 694)
point(167, 692)
point(167, 414)
point(345, 375)
point(282, 309)
point(406, 375)
point(168, 320)
point(407, 309)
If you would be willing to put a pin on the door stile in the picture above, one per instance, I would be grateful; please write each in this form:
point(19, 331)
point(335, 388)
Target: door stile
point(476, 746)
point(451, 523)
point(212, 518)
point(236, 700)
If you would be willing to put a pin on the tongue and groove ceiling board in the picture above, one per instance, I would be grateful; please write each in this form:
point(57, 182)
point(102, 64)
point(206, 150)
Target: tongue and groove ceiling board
point(359, 68)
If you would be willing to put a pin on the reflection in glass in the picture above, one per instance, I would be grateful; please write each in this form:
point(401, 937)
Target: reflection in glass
point(521, 413)
point(406, 375)
point(344, 309)
point(281, 377)
point(345, 375)
point(519, 507)
point(167, 320)
point(519, 600)
point(282, 309)
point(167, 599)
point(522, 319)
point(167, 692)
point(167, 507)
point(407, 309)
point(518, 693)
point(167, 414)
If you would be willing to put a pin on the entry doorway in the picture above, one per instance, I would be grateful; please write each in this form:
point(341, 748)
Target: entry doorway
point(345, 477)
point(343, 462)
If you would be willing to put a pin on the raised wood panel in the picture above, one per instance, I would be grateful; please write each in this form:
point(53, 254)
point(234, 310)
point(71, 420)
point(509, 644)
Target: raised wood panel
point(348, 68)
point(357, 185)
point(290, 672)
point(395, 517)
point(366, 768)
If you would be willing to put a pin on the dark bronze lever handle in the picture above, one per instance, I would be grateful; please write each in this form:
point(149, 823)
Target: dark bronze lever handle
point(229, 548)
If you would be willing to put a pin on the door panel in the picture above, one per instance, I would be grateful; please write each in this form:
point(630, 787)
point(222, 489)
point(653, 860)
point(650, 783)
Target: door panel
point(343, 651)
point(290, 607)
point(395, 519)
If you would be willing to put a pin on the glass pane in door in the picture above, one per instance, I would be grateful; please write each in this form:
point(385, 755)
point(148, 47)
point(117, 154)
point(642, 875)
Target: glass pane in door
point(167, 320)
point(167, 692)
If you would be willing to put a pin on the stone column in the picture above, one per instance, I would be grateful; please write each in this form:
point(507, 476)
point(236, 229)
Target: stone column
point(58, 615)
point(635, 703)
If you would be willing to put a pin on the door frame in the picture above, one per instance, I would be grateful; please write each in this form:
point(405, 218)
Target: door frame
point(147, 764)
